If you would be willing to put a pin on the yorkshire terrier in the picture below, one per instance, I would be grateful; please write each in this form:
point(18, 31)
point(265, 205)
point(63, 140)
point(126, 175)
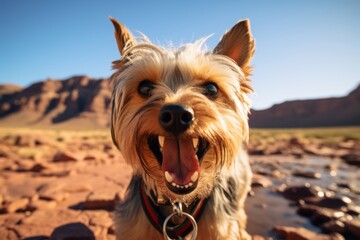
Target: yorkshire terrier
point(180, 119)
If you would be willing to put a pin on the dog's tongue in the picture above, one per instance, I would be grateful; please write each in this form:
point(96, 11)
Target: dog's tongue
point(179, 159)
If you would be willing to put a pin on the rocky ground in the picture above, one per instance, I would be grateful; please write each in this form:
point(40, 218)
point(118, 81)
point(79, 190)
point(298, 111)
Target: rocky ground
point(63, 185)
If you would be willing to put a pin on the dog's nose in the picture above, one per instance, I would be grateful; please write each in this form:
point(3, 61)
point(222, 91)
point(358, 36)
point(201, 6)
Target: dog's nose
point(176, 118)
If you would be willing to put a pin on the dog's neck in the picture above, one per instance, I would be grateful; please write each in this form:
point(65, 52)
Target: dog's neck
point(157, 211)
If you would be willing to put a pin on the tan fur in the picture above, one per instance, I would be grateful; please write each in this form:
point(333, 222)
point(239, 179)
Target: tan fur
point(123, 36)
point(178, 75)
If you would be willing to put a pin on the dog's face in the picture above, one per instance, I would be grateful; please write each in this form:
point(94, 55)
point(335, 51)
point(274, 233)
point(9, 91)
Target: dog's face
point(180, 115)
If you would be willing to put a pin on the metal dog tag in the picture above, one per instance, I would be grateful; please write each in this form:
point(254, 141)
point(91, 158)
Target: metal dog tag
point(192, 220)
point(178, 211)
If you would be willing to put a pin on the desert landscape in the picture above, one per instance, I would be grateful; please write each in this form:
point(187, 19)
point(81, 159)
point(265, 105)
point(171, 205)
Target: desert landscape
point(62, 184)
point(61, 176)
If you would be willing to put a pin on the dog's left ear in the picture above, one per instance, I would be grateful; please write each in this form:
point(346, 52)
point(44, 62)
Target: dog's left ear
point(123, 36)
point(238, 44)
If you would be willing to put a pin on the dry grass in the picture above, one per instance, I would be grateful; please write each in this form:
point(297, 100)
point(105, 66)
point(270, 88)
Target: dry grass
point(327, 135)
point(56, 134)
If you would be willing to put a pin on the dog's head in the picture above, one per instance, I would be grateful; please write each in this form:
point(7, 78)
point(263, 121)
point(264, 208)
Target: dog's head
point(180, 115)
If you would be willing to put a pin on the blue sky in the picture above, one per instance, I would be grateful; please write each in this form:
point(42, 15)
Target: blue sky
point(304, 49)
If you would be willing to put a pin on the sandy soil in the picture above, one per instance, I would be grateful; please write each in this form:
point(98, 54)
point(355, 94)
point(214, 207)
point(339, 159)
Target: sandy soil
point(63, 185)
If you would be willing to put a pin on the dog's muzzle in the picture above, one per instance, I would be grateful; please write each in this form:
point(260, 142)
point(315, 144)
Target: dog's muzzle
point(179, 155)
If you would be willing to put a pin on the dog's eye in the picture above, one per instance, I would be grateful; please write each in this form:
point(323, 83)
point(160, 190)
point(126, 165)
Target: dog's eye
point(145, 87)
point(210, 90)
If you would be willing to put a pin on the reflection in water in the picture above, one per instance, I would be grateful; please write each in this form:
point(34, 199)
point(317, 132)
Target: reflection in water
point(267, 208)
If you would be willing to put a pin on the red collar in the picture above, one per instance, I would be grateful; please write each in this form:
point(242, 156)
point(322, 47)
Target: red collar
point(156, 218)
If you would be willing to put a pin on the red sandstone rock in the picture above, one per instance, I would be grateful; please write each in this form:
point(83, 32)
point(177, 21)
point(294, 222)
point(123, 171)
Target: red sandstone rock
point(7, 234)
point(24, 165)
point(52, 191)
point(58, 101)
point(352, 158)
point(343, 111)
point(323, 215)
point(307, 174)
point(41, 204)
point(66, 157)
point(77, 187)
point(334, 227)
point(24, 141)
point(40, 167)
point(353, 226)
point(307, 210)
point(333, 202)
point(51, 219)
point(100, 199)
point(260, 181)
point(16, 205)
point(293, 233)
point(100, 218)
point(302, 192)
point(353, 210)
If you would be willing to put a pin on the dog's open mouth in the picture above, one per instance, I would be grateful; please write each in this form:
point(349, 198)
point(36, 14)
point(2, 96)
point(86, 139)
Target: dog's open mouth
point(180, 160)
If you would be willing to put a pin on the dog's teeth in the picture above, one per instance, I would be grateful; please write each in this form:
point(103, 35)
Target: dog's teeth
point(170, 180)
point(161, 141)
point(195, 143)
point(161, 201)
point(168, 177)
point(195, 176)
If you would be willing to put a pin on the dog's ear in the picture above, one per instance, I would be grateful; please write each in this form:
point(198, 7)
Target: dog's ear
point(123, 36)
point(238, 44)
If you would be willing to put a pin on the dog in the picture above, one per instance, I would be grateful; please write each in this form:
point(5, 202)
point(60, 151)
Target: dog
point(180, 119)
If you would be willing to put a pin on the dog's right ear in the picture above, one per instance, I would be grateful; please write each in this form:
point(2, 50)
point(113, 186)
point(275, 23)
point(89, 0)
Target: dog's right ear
point(123, 36)
point(238, 44)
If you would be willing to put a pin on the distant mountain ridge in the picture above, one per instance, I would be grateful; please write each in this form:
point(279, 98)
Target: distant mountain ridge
point(326, 112)
point(82, 102)
point(76, 102)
